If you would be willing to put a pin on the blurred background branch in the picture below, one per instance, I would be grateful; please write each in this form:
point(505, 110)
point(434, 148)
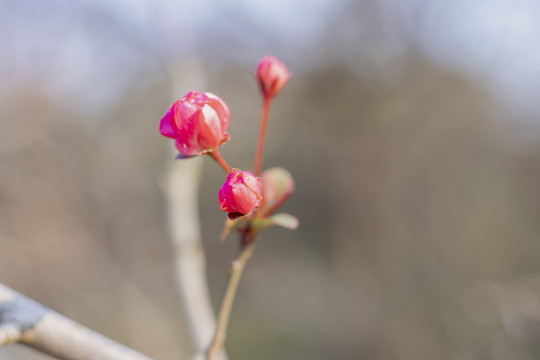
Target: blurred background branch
point(23, 320)
point(181, 190)
point(182, 180)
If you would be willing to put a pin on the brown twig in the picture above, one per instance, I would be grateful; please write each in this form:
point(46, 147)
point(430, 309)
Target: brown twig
point(228, 299)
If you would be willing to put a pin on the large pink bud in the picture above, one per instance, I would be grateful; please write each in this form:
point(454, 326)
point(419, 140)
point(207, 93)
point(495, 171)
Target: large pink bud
point(198, 122)
point(240, 193)
point(272, 76)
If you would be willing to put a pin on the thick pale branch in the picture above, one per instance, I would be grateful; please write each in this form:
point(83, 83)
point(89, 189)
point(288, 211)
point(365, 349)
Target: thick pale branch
point(9, 333)
point(30, 323)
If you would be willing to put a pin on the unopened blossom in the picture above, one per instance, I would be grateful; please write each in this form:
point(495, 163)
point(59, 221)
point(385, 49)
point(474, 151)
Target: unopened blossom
point(278, 185)
point(198, 122)
point(272, 76)
point(240, 193)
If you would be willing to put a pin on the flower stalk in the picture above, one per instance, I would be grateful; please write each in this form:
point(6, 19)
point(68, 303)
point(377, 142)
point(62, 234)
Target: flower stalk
point(262, 134)
point(237, 268)
point(216, 155)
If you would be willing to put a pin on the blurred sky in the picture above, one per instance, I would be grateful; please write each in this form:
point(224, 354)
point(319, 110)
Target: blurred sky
point(493, 42)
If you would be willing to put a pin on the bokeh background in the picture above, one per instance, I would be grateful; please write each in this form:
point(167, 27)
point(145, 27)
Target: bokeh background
point(412, 129)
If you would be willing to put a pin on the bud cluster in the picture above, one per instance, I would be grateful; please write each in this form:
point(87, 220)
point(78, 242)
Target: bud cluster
point(198, 124)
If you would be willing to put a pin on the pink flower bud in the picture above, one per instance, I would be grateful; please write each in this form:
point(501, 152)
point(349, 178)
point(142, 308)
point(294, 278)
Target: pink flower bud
point(272, 75)
point(240, 193)
point(278, 185)
point(198, 122)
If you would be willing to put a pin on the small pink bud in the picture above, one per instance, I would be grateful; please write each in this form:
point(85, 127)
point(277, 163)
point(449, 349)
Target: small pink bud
point(240, 193)
point(272, 75)
point(278, 185)
point(198, 122)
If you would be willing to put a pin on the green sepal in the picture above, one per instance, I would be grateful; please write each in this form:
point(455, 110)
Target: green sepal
point(287, 221)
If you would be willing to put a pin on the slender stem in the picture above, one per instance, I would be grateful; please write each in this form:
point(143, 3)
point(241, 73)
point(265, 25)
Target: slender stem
point(228, 299)
point(220, 160)
point(262, 132)
point(270, 210)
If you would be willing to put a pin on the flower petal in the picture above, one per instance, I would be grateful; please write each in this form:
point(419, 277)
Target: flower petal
point(165, 127)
